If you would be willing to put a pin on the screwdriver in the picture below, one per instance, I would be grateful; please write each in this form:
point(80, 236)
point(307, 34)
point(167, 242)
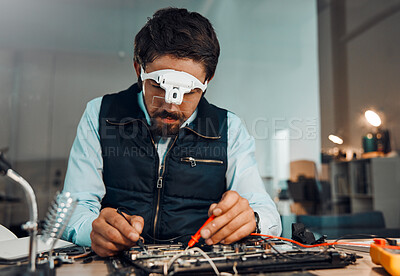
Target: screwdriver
point(196, 237)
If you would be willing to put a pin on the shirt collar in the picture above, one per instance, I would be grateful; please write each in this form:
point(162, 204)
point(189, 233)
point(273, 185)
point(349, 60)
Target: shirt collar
point(146, 114)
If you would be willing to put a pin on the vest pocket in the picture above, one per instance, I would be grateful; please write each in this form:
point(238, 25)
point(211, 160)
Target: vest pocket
point(193, 161)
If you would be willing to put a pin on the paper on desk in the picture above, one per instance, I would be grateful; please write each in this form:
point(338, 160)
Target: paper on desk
point(18, 248)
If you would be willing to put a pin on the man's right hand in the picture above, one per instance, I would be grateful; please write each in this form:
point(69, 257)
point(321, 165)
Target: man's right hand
point(112, 233)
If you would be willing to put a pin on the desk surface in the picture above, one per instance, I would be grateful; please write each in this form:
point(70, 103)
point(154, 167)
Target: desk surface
point(363, 266)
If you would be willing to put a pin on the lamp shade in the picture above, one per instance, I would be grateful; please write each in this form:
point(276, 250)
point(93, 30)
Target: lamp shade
point(335, 139)
point(373, 118)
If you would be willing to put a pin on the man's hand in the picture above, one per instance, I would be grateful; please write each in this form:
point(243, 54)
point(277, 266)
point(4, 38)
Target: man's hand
point(112, 233)
point(234, 220)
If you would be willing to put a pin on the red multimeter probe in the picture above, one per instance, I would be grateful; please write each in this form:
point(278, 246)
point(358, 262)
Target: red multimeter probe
point(196, 237)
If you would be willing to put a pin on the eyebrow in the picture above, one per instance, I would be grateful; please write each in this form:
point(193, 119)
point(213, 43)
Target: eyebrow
point(153, 82)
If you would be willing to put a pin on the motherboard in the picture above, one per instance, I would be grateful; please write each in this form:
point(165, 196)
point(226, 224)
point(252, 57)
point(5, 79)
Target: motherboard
point(249, 256)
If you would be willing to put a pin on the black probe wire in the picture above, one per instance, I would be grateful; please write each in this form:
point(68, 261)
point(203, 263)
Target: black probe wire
point(120, 209)
point(167, 240)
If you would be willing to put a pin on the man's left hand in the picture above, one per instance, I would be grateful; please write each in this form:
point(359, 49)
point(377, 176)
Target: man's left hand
point(234, 220)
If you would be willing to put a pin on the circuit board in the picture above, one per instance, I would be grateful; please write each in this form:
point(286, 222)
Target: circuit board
point(251, 256)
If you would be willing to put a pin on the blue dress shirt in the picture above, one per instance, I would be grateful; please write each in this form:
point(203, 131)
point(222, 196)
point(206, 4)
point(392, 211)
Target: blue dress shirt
point(85, 167)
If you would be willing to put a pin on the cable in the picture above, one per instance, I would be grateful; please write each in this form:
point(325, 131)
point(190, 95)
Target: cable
point(293, 241)
point(311, 255)
point(119, 209)
point(209, 260)
point(167, 240)
point(234, 269)
point(326, 243)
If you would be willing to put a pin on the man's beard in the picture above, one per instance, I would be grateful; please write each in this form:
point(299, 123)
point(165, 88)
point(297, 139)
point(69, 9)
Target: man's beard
point(164, 129)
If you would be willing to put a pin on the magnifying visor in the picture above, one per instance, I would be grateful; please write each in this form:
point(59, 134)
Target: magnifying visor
point(178, 86)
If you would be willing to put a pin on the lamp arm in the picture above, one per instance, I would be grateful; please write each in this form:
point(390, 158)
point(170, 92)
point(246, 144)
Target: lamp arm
point(32, 225)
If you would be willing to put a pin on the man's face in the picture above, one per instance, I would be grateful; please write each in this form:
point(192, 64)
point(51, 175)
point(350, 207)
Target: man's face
point(166, 118)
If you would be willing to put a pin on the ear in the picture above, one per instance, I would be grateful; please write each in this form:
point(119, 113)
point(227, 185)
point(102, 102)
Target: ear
point(137, 68)
point(211, 78)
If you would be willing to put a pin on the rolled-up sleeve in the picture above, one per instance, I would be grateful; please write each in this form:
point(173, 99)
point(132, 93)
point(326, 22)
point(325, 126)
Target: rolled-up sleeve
point(243, 176)
point(84, 176)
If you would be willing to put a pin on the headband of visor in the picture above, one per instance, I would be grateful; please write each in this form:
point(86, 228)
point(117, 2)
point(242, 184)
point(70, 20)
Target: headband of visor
point(175, 83)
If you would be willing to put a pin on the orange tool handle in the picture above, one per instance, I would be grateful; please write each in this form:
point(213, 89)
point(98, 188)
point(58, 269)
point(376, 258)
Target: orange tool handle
point(196, 237)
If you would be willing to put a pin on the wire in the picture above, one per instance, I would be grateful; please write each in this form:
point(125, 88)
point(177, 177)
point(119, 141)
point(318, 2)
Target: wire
point(327, 243)
point(293, 241)
point(310, 255)
point(234, 269)
point(119, 210)
point(167, 240)
point(204, 254)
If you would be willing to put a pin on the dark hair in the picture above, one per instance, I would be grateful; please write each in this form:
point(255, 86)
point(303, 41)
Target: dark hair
point(180, 33)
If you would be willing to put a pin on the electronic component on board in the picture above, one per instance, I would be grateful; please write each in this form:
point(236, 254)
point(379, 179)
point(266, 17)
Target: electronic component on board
point(250, 255)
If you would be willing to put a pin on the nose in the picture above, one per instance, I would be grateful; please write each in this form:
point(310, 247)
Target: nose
point(171, 107)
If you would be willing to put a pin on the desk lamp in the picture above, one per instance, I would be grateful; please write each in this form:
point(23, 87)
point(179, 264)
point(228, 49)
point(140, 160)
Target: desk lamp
point(56, 221)
point(32, 225)
point(337, 153)
point(377, 140)
point(335, 139)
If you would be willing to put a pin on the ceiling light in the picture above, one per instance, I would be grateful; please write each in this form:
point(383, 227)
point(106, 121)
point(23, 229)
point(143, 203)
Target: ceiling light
point(335, 139)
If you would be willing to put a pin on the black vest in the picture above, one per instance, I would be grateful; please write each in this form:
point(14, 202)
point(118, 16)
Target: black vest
point(175, 202)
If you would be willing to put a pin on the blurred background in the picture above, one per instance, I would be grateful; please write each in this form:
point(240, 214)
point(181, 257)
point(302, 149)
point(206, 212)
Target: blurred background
point(295, 72)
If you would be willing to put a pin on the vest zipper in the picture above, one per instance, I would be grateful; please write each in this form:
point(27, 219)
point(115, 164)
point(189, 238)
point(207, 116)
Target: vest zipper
point(193, 161)
point(160, 186)
point(160, 178)
point(161, 167)
point(159, 183)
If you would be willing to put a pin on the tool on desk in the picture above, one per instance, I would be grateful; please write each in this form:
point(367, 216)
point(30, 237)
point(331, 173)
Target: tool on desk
point(31, 225)
point(386, 255)
point(196, 237)
point(140, 241)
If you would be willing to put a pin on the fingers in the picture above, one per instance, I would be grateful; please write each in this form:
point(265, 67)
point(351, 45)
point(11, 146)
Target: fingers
point(212, 207)
point(104, 247)
point(120, 223)
point(137, 222)
point(111, 232)
point(234, 220)
point(239, 227)
point(237, 235)
point(229, 199)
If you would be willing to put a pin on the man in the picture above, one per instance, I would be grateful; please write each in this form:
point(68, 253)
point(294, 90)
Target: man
point(159, 154)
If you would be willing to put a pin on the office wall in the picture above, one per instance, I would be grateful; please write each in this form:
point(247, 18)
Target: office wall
point(268, 74)
point(6, 81)
point(374, 62)
point(57, 55)
point(370, 43)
